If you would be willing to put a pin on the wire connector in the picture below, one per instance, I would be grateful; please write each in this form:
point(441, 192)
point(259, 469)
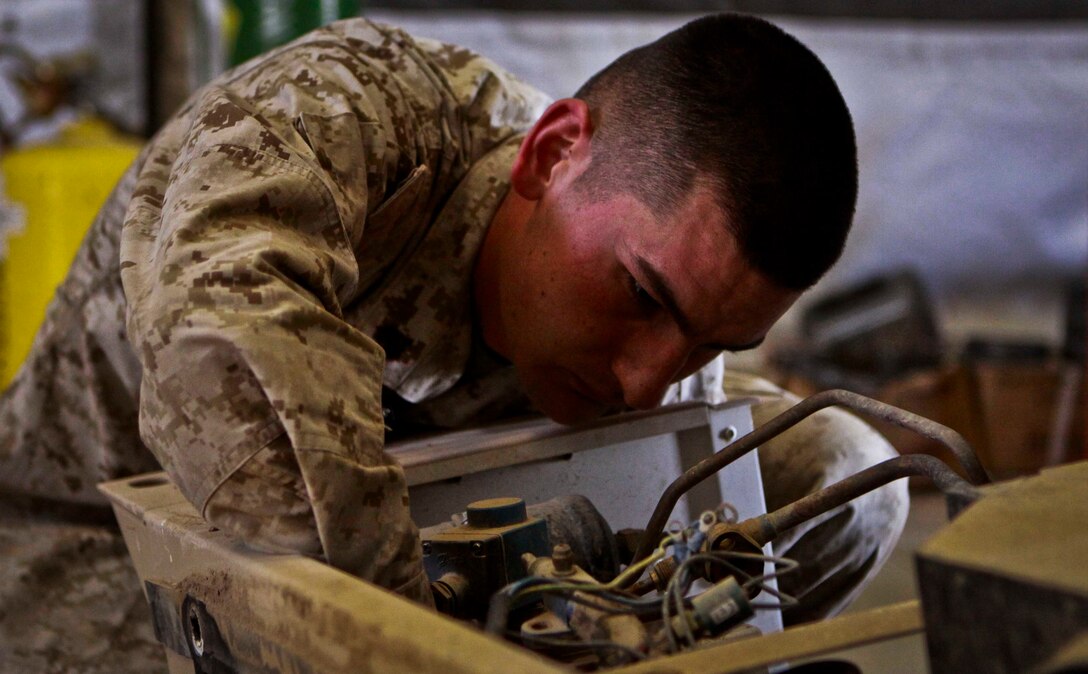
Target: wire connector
point(716, 610)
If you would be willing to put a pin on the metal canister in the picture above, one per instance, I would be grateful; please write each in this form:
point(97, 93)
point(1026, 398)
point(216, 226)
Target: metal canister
point(265, 24)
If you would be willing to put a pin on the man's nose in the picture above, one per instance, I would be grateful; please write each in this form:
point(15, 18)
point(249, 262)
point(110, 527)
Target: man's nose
point(646, 373)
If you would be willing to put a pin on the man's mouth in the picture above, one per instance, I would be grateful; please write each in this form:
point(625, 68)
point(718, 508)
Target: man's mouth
point(583, 389)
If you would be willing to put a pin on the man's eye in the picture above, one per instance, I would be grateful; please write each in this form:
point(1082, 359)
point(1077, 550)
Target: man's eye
point(641, 295)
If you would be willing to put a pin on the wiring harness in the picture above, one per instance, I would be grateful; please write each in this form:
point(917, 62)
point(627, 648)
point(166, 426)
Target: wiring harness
point(672, 619)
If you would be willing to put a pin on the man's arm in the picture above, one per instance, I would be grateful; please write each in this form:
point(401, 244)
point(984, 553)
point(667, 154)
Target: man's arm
point(257, 397)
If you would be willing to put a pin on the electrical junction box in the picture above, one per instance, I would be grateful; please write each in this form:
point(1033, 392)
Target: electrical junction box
point(484, 552)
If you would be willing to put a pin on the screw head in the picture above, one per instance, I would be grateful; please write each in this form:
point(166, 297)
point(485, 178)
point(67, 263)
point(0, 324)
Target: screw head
point(728, 434)
point(477, 548)
point(426, 547)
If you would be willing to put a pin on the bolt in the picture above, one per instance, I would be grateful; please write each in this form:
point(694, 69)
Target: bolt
point(477, 548)
point(728, 434)
point(426, 547)
point(662, 572)
point(563, 560)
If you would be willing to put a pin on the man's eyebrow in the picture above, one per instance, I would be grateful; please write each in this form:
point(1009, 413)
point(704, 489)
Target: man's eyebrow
point(657, 284)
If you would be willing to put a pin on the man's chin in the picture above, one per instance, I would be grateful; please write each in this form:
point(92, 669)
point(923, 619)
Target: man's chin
point(571, 411)
point(556, 393)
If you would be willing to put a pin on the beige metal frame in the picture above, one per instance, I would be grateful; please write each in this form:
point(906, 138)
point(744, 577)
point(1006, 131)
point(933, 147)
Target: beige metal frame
point(294, 614)
point(290, 613)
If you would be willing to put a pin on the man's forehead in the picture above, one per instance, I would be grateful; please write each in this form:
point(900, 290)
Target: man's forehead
point(693, 264)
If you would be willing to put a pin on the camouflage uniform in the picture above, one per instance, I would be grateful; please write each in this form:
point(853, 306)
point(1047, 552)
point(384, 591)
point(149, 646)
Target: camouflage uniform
point(300, 236)
point(289, 256)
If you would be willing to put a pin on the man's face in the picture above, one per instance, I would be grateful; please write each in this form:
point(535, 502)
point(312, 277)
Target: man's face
point(601, 304)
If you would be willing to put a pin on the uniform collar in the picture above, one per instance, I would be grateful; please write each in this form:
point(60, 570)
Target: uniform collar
point(429, 299)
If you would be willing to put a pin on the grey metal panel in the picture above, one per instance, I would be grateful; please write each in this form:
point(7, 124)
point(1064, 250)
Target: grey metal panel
point(623, 466)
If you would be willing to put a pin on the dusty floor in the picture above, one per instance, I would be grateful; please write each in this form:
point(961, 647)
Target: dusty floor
point(895, 583)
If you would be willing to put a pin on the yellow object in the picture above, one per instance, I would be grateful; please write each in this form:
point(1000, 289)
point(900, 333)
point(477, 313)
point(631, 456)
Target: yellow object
point(61, 186)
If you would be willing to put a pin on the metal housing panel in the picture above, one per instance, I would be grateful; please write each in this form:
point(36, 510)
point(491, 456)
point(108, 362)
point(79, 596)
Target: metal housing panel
point(1005, 585)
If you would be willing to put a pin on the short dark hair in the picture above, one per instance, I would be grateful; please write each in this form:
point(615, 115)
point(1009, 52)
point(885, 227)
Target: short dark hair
point(734, 100)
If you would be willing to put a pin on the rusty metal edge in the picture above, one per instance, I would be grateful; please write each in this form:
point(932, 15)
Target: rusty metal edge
point(295, 614)
point(848, 631)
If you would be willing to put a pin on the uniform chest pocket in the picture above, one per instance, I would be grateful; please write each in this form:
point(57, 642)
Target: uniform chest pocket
point(396, 226)
point(406, 198)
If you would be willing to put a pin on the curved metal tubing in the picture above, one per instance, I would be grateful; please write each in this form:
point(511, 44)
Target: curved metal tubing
point(791, 417)
point(765, 528)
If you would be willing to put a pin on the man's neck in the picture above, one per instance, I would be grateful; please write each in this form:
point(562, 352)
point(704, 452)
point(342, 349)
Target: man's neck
point(507, 222)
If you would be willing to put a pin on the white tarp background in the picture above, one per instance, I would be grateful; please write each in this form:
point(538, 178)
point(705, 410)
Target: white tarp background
point(973, 141)
point(973, 136)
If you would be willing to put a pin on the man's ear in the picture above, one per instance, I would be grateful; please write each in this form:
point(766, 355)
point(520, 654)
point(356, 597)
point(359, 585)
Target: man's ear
point(558, 141)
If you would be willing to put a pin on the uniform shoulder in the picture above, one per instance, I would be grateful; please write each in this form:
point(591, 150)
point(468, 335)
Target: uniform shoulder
point(460, 71)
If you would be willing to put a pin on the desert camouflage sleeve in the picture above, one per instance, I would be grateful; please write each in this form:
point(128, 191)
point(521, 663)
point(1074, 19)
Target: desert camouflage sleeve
point(262, 403)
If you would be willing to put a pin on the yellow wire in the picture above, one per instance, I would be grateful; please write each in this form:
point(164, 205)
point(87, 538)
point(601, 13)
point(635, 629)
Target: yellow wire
point(616, 583)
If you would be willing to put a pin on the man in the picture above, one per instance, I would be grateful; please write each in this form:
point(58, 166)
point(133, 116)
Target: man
point(365, 229)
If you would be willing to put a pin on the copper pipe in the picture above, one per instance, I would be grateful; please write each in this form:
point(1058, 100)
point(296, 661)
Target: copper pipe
point(765, 528)
point(783, 422)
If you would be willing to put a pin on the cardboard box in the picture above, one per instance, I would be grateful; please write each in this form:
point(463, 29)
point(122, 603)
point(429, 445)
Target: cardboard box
point(1019, 416)
point(1023, 404)
point(945, 395)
